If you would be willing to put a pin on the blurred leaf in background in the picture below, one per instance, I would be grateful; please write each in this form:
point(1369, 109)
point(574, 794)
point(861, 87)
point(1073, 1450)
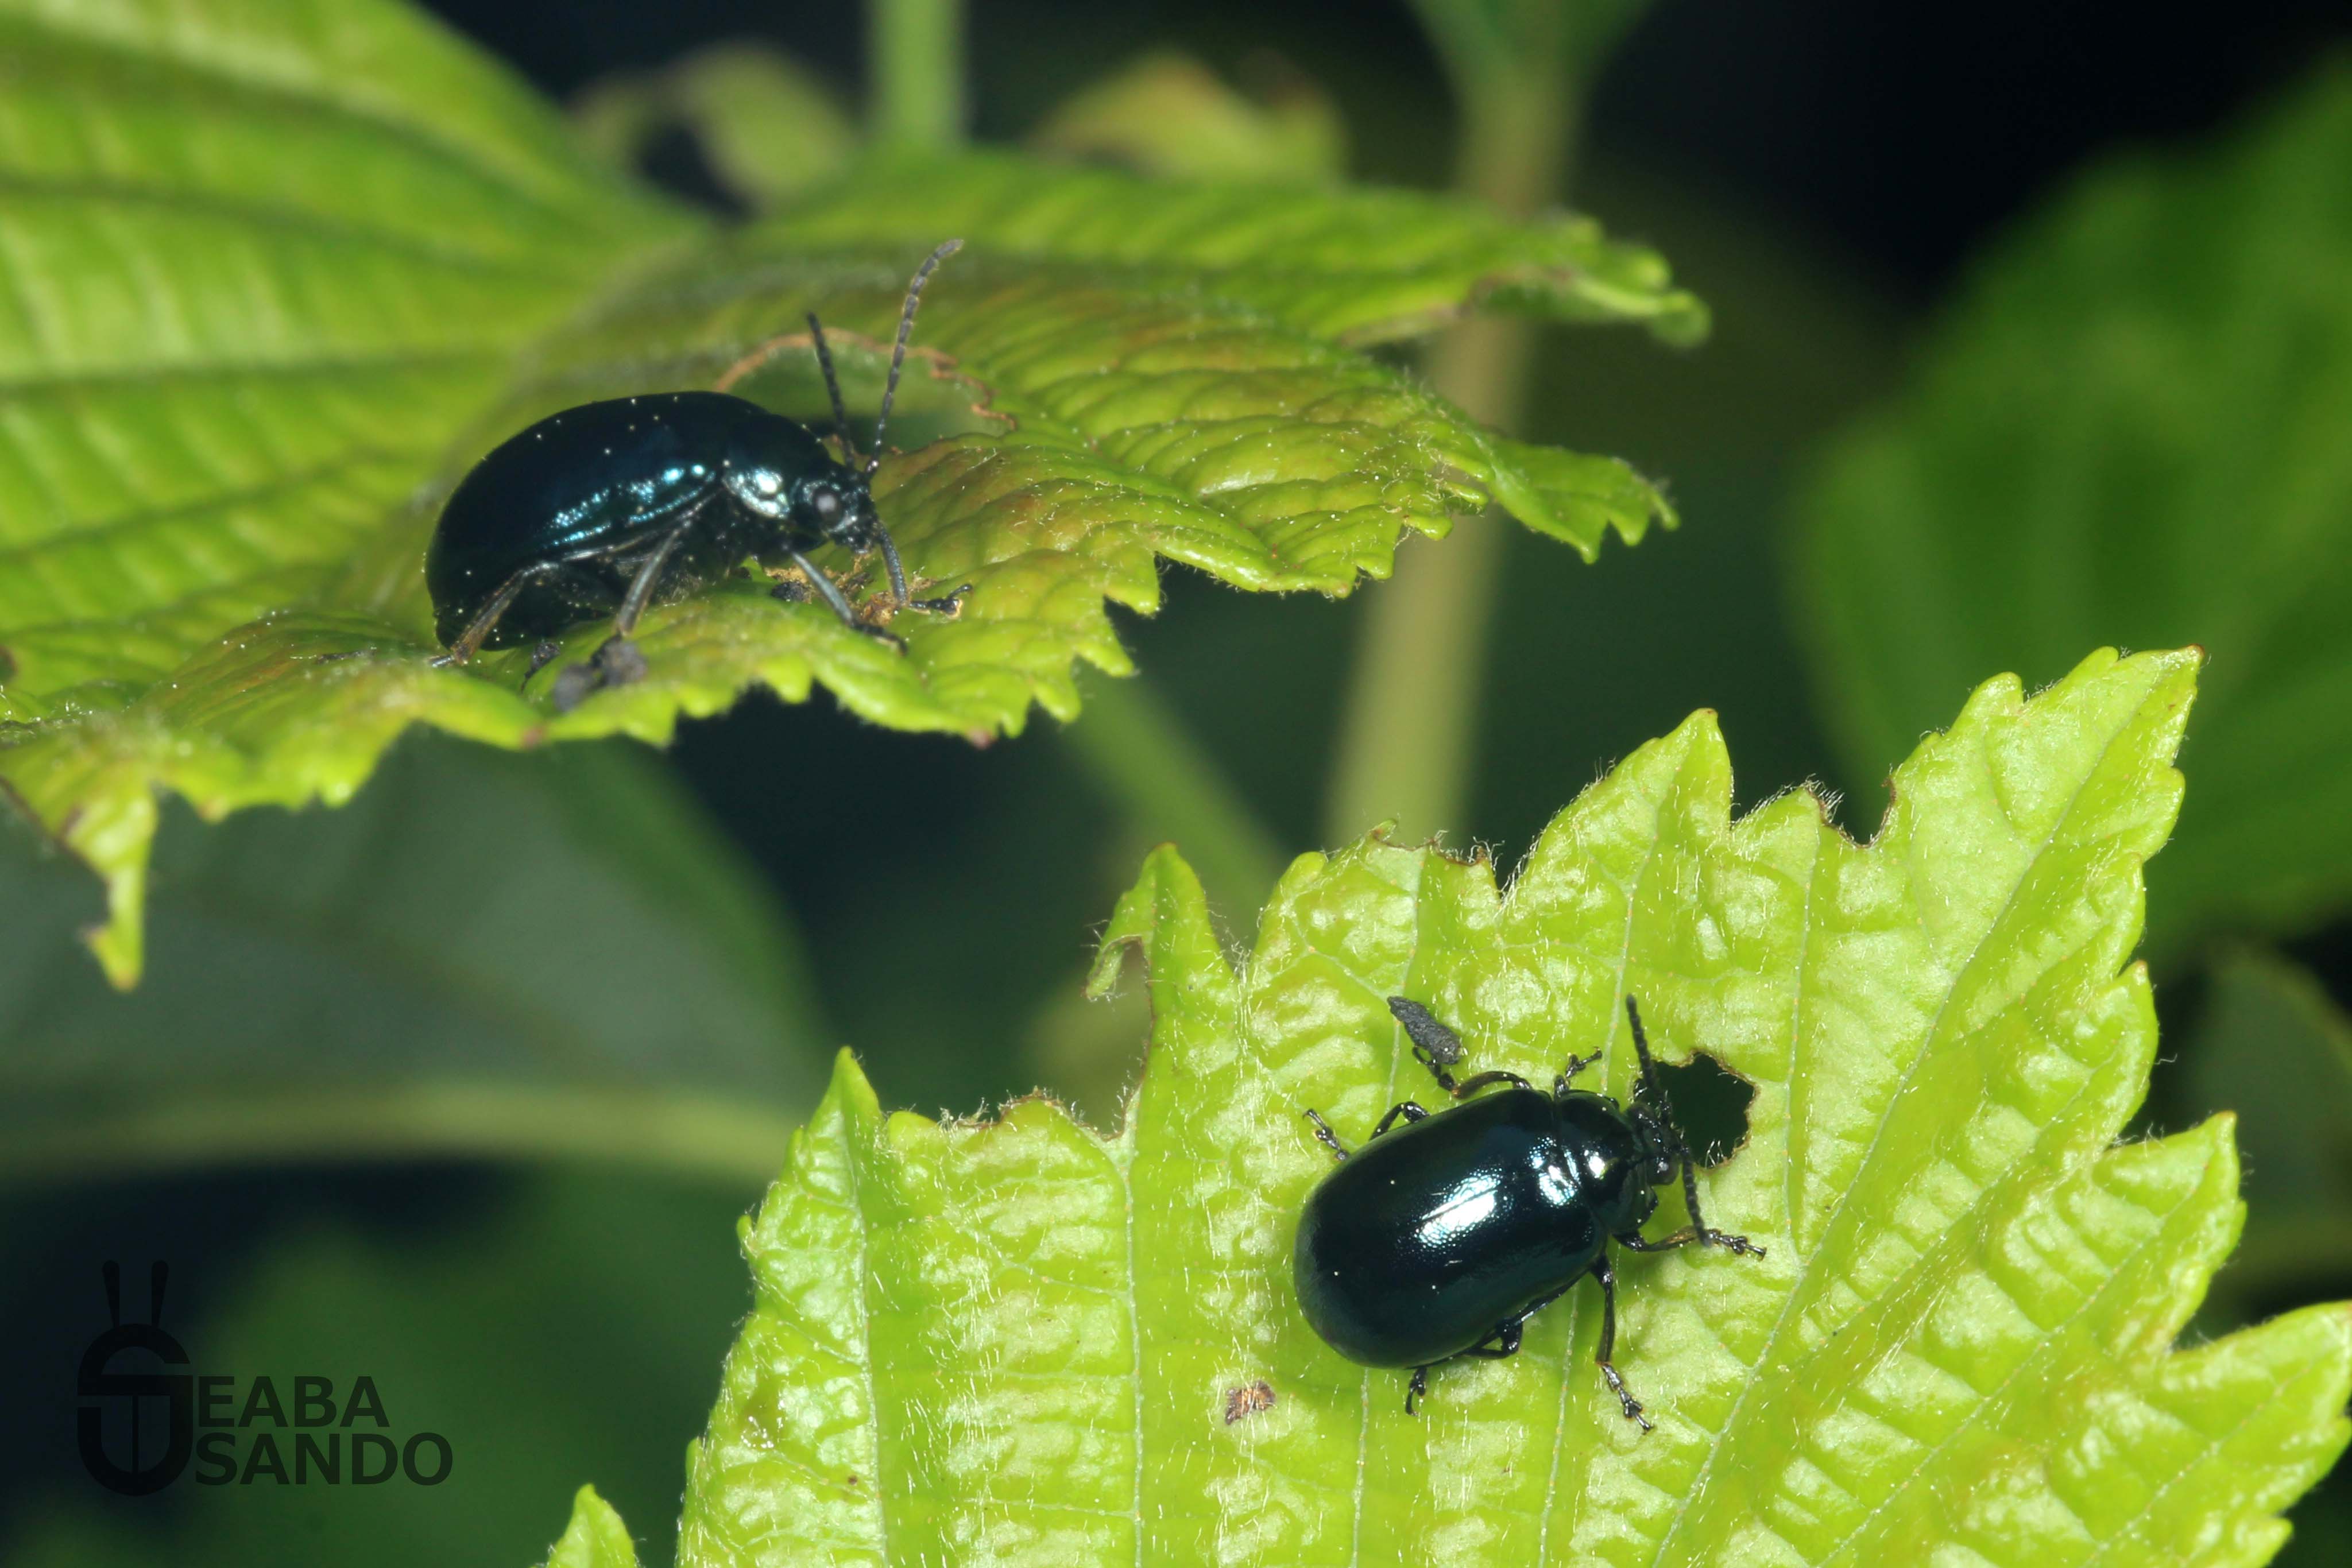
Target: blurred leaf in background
point(767, 126)
point(1167, 114)
point(2132, 429)
point(2272, 1046)
point(483, 954)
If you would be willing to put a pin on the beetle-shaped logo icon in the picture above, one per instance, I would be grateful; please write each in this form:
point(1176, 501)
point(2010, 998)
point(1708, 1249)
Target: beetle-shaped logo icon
point(98, 1387)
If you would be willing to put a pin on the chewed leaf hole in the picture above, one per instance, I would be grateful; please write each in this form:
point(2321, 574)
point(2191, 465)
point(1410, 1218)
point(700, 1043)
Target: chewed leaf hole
point(1710, 1104)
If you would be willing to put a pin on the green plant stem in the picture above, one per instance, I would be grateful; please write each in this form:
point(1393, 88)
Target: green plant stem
point(1170, 788)
point(918, 69)
point(734, 1143)
point(1411, 722)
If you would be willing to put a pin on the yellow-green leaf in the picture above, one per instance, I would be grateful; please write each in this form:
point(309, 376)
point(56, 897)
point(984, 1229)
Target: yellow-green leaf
point(276, 276)
point(1018, 1340)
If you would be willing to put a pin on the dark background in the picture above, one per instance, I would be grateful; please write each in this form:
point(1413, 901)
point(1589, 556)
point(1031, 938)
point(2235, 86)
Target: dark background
point(1820, 172)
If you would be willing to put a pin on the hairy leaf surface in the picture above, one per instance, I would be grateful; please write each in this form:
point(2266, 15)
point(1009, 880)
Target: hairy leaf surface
point(275, 276)
point(2132, 429)
point(1020, 1341)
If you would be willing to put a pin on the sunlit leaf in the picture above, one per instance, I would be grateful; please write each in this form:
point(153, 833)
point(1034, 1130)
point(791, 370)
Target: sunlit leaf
point(2131, 428)
point(596, 1538)
point(277, 279)
point(1020, 1341)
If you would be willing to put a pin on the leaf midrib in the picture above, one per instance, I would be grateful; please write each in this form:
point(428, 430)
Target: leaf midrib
point(1607, 1048)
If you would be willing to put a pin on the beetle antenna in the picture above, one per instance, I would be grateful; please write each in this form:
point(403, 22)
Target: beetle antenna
point(898, 351)
point(833, 388)
point(1654, 1088)
point(1650, 1083)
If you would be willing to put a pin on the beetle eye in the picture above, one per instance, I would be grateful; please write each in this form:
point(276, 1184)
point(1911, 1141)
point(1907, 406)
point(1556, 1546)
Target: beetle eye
point(827, 505)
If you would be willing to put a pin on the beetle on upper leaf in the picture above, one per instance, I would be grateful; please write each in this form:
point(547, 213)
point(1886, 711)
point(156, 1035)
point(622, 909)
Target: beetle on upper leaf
point(612, 507)
point(1444, 1237)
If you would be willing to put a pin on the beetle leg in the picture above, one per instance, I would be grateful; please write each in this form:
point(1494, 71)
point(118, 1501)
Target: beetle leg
point(469, 642)
point(1690, 1233)
point(1469, 1086)
point(541, 657)
point(1505, 1338)
point(1503, 1343)
point(890, 561)
point(1434, 1046)
point(1405, 1108)
point(1700, 1231)
point(1576, 1064)
point(1608, 1278)
point(950, 604)
point(830, 592)
point(1326, 1136)
point(1415, 1389)
point(641, 586)
point(617, 660)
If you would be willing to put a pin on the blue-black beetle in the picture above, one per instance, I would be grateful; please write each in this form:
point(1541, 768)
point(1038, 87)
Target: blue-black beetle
point(608, 508)
point(1443, 1239)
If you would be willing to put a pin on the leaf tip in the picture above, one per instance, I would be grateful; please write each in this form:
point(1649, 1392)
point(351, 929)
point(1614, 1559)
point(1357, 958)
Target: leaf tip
point(1165, 885)
point(850, 1090)
point(595, 1537)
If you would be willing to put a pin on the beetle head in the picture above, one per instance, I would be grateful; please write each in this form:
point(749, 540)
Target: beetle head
point(1661, 1153)
point(1622, 1176)
point(1614, 1149)
point(838, 505)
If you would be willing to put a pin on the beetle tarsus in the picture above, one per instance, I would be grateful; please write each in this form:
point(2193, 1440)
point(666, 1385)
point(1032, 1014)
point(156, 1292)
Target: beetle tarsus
point(1730, 1243)
point(617, 662)
point(1415, 1389)
point(1326, 1136)
point(949, 604)
point(572, 687)
point(1632, 1406)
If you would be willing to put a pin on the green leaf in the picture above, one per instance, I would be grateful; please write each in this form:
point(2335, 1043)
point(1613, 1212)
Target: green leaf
point(1365, 266)
point(1021, 1342)
point(769, 127)
point(482, 954)
point(2131, 430)
point(596, 1538)
point(274, 285)
point(1167, 114)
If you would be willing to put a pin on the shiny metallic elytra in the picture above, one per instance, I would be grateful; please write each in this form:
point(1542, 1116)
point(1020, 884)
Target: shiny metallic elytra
point(612, 507)
point(1444, 1237)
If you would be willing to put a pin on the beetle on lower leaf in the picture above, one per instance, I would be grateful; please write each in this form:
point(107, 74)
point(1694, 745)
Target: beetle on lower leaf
point(1444, 1237)
point(610, 507)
